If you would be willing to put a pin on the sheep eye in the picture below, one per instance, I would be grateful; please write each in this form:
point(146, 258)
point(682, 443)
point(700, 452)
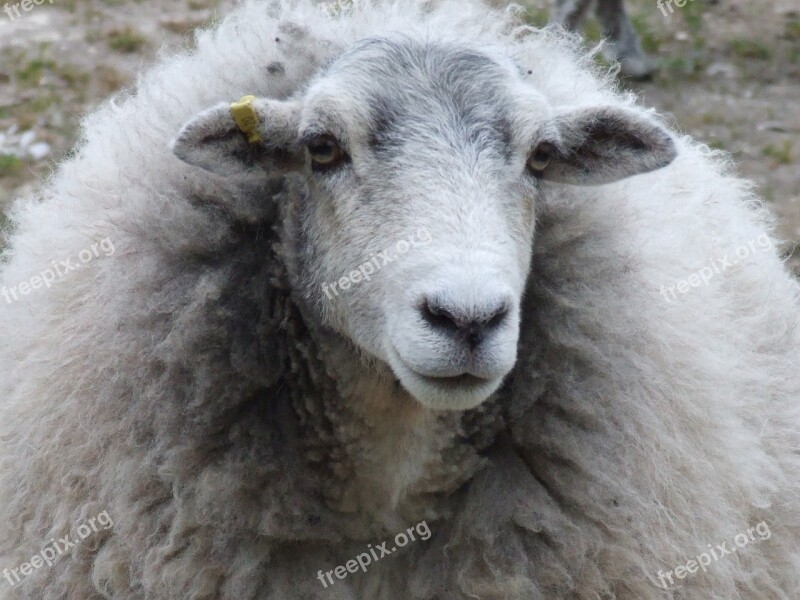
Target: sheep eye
point(540, 158)
point(325, 152)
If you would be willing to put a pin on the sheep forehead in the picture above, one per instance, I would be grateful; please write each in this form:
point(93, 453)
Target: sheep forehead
point(387, 91)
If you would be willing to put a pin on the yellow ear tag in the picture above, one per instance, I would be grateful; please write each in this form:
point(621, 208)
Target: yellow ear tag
point(246, 118)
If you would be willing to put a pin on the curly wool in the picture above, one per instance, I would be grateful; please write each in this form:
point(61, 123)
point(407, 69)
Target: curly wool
point(180, 386)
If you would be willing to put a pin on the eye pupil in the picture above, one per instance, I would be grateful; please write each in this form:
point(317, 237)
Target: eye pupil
point(325, 152)
point(326, 149)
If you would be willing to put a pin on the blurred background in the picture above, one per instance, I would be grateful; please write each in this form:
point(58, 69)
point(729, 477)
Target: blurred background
point(729, 74)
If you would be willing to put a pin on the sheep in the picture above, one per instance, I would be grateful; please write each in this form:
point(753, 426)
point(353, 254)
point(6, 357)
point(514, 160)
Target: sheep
point(623, 43)
point(560, 364)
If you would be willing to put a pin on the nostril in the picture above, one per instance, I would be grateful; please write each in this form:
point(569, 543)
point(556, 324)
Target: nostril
point(496, 318)
point(477, 329)
point(439, 316)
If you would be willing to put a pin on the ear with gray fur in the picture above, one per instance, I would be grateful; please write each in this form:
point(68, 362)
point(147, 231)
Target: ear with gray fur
point(606, 144)
point(213, 141)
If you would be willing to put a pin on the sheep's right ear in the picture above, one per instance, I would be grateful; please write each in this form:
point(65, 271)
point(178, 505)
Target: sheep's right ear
point(214, 141)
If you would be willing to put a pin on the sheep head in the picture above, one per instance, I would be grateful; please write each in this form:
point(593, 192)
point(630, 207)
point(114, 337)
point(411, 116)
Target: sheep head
point(422, 164)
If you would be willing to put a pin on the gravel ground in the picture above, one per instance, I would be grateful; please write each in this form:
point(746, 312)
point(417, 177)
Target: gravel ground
point(730, 76)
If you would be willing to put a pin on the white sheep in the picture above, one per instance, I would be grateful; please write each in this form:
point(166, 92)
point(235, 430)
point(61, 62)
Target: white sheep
point(561, 363)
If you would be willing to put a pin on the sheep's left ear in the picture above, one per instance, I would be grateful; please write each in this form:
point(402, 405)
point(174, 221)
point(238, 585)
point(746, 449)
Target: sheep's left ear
point(601, 145)
point(251, 138)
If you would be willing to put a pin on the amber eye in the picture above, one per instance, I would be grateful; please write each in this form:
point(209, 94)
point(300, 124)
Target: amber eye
point(325, 152)
point(540, 158)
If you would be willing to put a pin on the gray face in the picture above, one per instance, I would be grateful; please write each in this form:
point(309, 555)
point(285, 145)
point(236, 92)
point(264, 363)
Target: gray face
point(422, 163)
point(431, 165)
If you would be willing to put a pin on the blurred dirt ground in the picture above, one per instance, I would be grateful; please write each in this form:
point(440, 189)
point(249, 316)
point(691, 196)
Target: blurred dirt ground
point(730, 76)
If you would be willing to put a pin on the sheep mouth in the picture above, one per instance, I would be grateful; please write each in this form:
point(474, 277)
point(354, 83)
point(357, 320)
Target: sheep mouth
point(463, 391)
point(457, 392)
point(455, 381)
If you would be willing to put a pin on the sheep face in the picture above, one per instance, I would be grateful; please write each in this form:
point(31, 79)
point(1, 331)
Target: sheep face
point(422, 165)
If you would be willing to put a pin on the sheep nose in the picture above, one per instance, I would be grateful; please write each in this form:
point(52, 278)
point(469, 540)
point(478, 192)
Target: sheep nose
point(468, 325)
